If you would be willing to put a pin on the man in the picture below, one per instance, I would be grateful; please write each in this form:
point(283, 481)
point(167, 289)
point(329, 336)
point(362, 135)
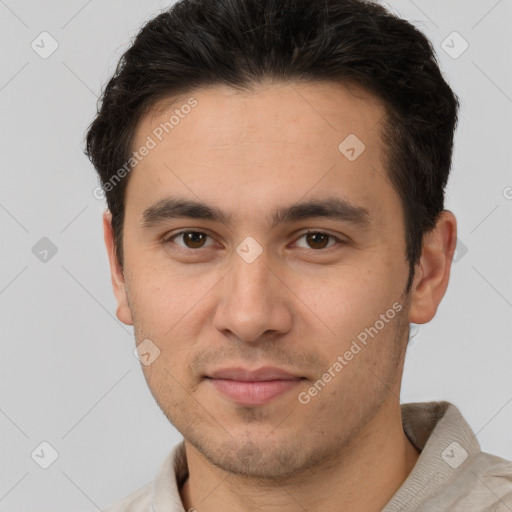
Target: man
point(275, 173)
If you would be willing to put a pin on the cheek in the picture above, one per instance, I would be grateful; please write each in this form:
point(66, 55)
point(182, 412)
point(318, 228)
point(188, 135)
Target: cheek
point(166, 307)
point(162, 296)
point(348, 300)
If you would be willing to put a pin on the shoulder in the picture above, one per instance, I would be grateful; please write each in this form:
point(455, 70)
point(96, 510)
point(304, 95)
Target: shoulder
point(485, 481)
point(452, 473)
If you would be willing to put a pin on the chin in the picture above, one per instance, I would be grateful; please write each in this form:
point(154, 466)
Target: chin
point(260, 460)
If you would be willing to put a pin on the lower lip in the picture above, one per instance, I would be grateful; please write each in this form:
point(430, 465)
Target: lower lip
point(253, 393)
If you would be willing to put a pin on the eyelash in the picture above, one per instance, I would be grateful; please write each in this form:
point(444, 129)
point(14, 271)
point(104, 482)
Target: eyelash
point(168, 240)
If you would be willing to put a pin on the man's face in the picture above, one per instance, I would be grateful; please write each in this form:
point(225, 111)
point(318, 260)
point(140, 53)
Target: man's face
point(254, 293)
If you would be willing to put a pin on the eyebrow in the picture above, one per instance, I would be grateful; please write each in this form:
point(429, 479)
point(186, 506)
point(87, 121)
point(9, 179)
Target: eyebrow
point(331, 207)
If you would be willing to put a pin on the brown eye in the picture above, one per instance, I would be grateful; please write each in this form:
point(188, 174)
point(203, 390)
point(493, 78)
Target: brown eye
point(189, 239)
point(194, 239)
point(318, 240)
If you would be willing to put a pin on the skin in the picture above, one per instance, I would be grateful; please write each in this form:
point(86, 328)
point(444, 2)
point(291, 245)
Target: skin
point(298, 306)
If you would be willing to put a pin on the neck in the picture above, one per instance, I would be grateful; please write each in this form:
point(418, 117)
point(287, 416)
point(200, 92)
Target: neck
point(365, 476)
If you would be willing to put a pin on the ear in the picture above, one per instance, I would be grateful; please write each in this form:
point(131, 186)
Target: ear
point(433, 269)
point(123, 312)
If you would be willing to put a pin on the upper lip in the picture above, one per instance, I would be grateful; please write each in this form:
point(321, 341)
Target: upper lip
point(260, 374)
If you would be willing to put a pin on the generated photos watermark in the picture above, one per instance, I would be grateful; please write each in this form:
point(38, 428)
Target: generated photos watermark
point(158, 133)
point(304, 397)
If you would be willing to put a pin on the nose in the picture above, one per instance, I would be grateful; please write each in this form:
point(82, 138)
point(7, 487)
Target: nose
point(253, 301)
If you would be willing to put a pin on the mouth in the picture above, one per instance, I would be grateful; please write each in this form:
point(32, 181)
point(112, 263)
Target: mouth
point(253, 387)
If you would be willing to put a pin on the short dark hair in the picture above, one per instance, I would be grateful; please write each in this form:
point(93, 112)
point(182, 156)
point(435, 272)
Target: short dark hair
point(243, 43)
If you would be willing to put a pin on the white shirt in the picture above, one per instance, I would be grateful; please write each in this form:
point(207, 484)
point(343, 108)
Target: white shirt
point(452, 474)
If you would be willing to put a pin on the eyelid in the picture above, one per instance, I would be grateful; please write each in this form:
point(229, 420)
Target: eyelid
point(166, 239)
point(339, 240)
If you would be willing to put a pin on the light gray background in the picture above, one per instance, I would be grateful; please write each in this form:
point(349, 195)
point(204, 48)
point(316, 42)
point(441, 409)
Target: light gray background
point(68, 375)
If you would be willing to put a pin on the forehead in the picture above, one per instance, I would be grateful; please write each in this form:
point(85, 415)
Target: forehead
point(310, 110)
point(271, 145)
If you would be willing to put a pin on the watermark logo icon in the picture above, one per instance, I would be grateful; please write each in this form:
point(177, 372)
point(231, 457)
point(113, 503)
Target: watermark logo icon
point(460, 251)
point(146, 352)
point(44, 455)
point(454, 45)
point(454, 455)
point(44, 45)
point(351, 147)
point(44, 250)
point(249, 250)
